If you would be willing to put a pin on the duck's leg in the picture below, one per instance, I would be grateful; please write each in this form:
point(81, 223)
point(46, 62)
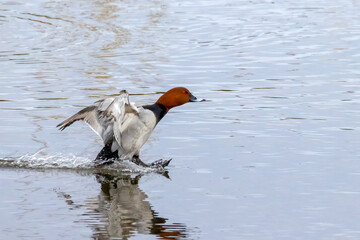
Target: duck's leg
point(156, 164)
point(135, 159)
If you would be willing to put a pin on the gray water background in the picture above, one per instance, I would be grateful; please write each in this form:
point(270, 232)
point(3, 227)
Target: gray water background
point(273, 154)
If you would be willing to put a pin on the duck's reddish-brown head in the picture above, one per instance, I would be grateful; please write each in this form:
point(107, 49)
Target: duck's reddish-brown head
point(176, 97)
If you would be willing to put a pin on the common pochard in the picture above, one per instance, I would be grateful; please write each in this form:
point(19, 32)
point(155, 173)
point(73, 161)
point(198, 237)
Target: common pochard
point(125, 128)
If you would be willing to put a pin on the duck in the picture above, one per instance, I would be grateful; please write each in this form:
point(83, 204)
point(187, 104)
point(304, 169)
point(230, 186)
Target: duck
point(124, 128)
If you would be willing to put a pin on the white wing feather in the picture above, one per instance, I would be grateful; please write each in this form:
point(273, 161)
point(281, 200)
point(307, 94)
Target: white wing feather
point(118, 122)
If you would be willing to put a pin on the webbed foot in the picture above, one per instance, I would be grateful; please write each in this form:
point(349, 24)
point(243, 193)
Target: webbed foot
point(157, 164)
point(160, 163)
point(138, 161)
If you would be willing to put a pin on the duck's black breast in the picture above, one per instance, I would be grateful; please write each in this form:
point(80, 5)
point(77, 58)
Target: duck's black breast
point(158, 109)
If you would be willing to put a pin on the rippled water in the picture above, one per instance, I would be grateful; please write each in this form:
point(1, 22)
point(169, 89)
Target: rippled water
point(273, 154)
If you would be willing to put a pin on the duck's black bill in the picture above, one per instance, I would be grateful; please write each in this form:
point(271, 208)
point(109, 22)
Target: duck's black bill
point(192, 98)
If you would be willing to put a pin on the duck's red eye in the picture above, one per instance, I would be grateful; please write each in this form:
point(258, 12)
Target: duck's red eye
point(185, 92)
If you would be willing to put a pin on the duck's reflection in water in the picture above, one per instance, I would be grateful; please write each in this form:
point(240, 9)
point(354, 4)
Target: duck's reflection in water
point(127, 212)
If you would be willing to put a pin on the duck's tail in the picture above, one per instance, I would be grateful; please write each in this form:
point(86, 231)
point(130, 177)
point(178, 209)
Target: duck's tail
point(81, 115)
point(106, 156)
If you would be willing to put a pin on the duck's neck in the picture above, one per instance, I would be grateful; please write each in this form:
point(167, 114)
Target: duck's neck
point(158, 109)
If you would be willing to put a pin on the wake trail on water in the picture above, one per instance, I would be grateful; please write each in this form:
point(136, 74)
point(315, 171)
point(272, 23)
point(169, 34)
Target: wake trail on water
point(38, 161)
point(61, 161)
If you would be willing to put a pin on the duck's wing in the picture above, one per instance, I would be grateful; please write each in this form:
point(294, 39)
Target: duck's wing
point(120, 109)
point(120, 106)
point(101, 116)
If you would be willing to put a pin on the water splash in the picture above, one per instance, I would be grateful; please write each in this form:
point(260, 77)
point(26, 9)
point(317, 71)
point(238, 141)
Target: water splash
point(38, 161)
point(61, 161)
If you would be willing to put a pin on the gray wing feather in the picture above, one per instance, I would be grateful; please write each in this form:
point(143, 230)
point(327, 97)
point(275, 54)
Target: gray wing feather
point(116, 121)
point(119, 109)
point(95, 117)
point(81, 115)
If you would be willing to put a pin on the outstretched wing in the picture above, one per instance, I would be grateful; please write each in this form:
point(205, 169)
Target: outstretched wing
point(87, 114)
point(119, 109)
point(101, 116)
point(120, 106)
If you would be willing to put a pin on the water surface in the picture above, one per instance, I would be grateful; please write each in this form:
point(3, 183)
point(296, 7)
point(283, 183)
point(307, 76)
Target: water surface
point(273, 154)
